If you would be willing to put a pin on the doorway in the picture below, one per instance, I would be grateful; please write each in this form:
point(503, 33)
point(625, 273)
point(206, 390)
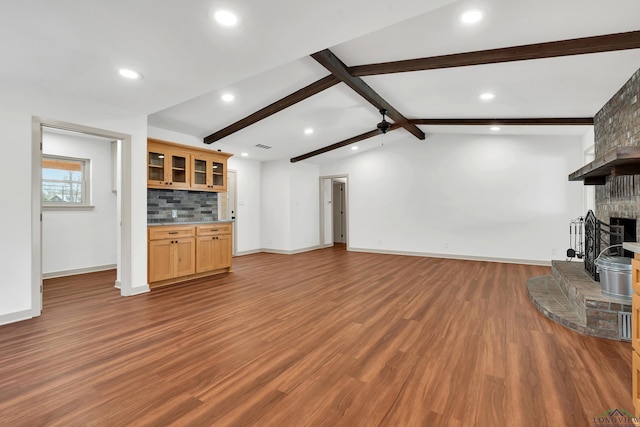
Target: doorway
point(121, 184)
point(79, 192)
point(338, 208)
point(334, 210)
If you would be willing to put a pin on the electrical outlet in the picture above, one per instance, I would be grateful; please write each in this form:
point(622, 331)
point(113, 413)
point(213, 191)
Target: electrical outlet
point(174, 213)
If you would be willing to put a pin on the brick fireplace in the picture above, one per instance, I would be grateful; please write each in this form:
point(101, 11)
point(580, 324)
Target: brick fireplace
point(617, 125)
point(570, 296)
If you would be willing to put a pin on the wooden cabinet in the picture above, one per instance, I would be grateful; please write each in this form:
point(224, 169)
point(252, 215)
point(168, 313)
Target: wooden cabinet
point(635, 332)
point(213, 247)
point(209, 172)
point(182, 252)
point(635, 377)
point(167, 167)
point(172, 252)
point(185, 168)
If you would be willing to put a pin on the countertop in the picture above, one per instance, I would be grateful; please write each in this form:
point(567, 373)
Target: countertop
point(189, 223)
point(631, 246)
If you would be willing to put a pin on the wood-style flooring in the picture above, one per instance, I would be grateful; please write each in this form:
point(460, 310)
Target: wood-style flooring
point(324, 338)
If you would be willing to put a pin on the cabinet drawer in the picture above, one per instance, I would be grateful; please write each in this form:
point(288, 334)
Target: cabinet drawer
point(171, 232)
point(213, 229)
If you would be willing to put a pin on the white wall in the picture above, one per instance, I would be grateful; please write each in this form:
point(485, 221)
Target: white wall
point(276, 206)
point(19, 241)
point(305, 205)
point(249, 194)
point(290, 206)
point(81, 239)
point(15, 227)
point(493, 197)
point(249, 201)
point(589, 191)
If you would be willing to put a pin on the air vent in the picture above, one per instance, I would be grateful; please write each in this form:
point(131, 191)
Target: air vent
point(266, 147)
point(624, 326)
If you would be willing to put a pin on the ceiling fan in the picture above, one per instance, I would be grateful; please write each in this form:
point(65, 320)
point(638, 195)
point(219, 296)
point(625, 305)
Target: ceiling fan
point(384, 125)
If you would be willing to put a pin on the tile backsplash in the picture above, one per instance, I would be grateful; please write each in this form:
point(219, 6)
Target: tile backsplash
point(188, 206)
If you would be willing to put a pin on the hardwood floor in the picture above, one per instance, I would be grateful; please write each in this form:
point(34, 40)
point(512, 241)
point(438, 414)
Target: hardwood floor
point(324, 338)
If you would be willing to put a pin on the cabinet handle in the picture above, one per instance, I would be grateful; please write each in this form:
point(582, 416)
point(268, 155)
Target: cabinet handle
point(173, 232)
point(171, 183)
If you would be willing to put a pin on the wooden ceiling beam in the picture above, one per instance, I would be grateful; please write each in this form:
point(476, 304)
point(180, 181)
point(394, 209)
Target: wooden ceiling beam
point(579, 46)
point(332, 63)
point(344, 143)
point(287, 101)
point(550, 121)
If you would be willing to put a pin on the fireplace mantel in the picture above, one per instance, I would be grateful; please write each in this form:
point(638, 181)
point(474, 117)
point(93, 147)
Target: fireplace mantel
point(617, 162)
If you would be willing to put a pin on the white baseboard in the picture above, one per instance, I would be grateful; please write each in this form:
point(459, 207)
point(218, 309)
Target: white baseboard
point(16, 317)
point(406, 253)
point(279, 251)
point(65, 273)
point(251, 252)
point(459, 257)
point(137, 290)
point(118, 284)
point(293, 252)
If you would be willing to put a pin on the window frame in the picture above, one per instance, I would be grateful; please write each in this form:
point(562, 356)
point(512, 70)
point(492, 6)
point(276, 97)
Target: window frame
point(85, 169)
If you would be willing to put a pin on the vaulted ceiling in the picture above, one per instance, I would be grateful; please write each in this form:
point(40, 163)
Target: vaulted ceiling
point(188, 62)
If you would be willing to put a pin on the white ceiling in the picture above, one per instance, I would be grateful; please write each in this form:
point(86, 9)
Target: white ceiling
point(76, 47)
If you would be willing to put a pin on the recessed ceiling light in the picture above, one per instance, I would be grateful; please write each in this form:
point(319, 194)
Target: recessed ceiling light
point(487, 96)
point(471, 16)
point(227, 97)
point(130, 74)
point(354, 148)
point(308, 131)
point(226, 18)
point(244, 154)
point(495, 128)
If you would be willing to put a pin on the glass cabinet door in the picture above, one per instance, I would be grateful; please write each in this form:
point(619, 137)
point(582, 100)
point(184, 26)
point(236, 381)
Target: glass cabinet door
point(217, 174)
point(155, 166)
point(199, 172)
point(179, 169)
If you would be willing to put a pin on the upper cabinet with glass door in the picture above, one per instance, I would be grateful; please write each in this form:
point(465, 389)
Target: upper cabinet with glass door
point(176, 166)
point(167, 167)
point(209, 171)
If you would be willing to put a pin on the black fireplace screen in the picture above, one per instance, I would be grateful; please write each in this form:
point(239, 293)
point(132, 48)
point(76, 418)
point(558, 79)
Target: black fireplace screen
point(599, 236)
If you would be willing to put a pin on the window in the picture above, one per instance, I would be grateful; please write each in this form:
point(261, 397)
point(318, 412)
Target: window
point(65, 181)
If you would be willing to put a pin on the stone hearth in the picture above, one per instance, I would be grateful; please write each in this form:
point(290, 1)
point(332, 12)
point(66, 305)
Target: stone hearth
point(570, 297)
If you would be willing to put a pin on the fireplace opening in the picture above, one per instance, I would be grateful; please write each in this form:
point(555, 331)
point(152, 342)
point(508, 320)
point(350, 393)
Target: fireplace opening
point(629, 231)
